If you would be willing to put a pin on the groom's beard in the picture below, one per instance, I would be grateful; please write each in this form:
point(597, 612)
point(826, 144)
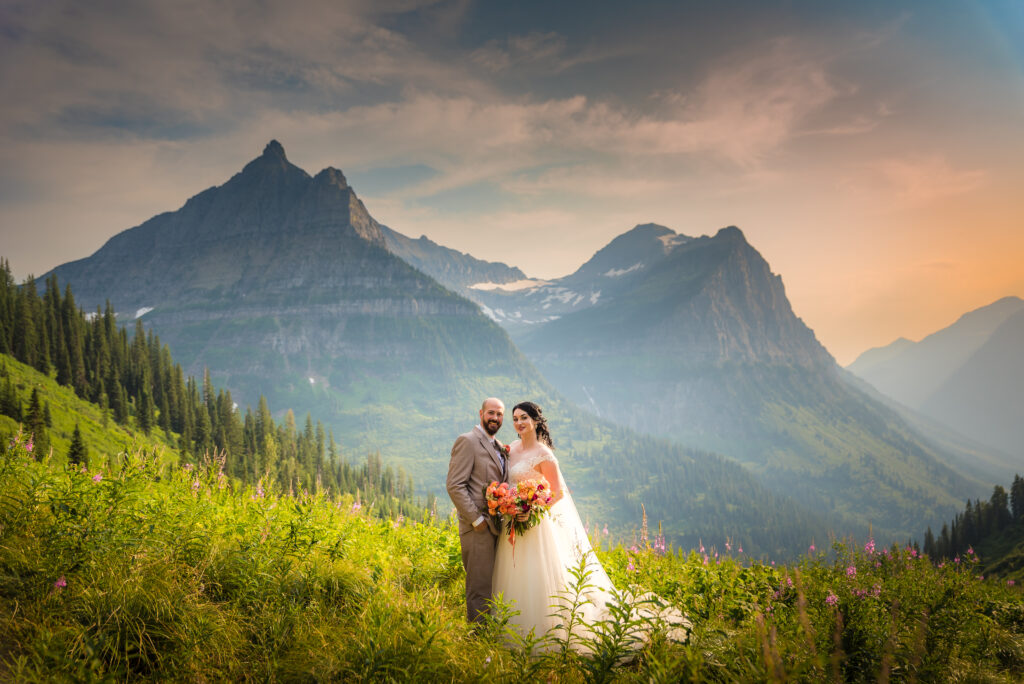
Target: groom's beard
point(492, 426)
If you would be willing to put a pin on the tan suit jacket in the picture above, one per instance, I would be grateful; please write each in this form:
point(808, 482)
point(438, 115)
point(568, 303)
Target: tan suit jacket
point(474, 465)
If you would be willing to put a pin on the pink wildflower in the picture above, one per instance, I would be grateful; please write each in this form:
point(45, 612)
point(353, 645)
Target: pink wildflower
point(196, 485)
point(60, 583)
point(741, 549)
point(811, 549)
point(356, 506)
point(869, 548)
point(831, 599)
point(630, 567)
point(789, 581)
point(605, 531)
point(1010, 583)
point(728, 546)
point(29, 444)
point(97, 477)
point(957, 560)
point(702, 547)
point(970, 550)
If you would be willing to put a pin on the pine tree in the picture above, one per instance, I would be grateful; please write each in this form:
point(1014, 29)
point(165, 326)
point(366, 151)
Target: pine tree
point(36, 425)
point(78, 453)
point(1017, 497)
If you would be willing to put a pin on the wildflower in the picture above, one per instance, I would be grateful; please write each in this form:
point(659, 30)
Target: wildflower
point(487, 660)
point(741, 549)
point(702, 547)
point(728, 546)
point(789, 582)
point(831, 599)
point(605, 531)
point(196, 485)
point(60, 583)
point(970, 550)
point(28, 445)
point(356, 506)
point(97, 477)
point(633, 548)
point(83, 470)
point(869, 548)
point(187, 467)
point(705, 559)
point(630, 567)
point(981, 578)
point(811, 549)
point(957, 560)
point(878, 564)
point(942, 565)
point(1010, 583)
point(876, 590)
point(399, 520)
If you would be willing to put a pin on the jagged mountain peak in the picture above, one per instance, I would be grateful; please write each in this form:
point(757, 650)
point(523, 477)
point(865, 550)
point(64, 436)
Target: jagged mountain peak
point(331, 176)
point(274, 150)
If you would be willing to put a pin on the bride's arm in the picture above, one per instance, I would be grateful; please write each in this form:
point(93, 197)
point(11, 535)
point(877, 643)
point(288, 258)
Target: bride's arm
point(550, 472)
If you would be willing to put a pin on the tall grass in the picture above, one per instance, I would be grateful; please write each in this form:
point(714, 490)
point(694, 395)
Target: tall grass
point(134, 569)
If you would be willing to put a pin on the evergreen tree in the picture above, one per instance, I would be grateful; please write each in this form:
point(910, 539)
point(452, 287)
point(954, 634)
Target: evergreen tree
point(78, 453)
point(36, 425)
point(1017, 497)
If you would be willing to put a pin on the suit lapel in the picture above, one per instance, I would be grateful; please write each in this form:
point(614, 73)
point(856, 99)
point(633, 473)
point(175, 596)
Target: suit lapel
point(488, 444)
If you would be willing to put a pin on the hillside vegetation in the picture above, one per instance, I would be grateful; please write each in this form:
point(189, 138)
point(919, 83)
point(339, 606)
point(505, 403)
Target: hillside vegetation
point(134, 568)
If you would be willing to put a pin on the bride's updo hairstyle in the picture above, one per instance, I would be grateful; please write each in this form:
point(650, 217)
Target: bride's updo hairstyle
point(532, 410)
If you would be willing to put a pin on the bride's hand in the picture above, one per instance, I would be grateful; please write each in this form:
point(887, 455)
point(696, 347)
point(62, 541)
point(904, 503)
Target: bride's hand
point(523, 517)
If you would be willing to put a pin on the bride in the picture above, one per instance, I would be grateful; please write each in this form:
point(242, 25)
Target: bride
point(535, 573)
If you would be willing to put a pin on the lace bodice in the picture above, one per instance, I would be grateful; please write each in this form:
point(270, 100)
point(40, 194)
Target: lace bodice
point(525, 467)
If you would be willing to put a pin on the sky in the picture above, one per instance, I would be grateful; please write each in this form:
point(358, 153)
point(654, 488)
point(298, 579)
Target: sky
point(872, 151)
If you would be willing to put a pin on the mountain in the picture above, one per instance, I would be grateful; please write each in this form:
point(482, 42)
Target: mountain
point(455, 270)
point(967, 375)
point(525, 305)
point(694, 340)
point(283, 285)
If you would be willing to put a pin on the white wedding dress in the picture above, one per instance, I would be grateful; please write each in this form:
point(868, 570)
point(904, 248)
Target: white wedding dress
point(534, 575)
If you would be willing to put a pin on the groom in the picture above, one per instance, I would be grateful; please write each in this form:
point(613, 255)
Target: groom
point(477, 461)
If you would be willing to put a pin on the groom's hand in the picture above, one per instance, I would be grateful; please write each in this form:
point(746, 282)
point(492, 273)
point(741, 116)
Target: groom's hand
point(481, 525)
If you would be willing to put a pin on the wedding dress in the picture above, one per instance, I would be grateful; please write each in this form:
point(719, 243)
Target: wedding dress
point(533, 575)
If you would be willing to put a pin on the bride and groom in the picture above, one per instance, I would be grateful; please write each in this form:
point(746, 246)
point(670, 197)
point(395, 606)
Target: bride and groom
point(540, 571)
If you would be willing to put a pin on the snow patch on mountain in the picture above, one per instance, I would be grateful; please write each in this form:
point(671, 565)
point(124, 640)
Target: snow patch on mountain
point(143, 311)
point(616, 272)
point(514, 286)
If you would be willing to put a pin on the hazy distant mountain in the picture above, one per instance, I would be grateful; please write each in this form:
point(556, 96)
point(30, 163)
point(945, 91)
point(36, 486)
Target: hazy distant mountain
point(282, 284)
point(967, 376)
point(915, 371)
point(696, 341)
point(455, 270)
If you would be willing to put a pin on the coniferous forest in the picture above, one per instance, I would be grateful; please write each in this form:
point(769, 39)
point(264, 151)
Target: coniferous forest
point(137, 384)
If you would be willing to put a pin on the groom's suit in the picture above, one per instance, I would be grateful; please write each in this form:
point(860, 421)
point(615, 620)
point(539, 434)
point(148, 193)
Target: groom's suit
point(475, 463)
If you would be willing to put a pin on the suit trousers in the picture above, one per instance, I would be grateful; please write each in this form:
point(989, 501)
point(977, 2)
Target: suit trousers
point(478, 550)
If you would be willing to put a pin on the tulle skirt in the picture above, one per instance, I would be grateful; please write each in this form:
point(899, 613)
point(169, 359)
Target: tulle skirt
point(533, 577)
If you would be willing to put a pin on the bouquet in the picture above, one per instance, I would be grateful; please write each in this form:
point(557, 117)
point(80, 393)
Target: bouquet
point(530, 497)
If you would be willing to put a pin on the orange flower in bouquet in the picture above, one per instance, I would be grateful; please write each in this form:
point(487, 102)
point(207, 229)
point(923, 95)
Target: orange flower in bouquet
point(531, 498)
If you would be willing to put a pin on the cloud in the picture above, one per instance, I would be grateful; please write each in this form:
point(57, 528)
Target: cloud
point(922, 180)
